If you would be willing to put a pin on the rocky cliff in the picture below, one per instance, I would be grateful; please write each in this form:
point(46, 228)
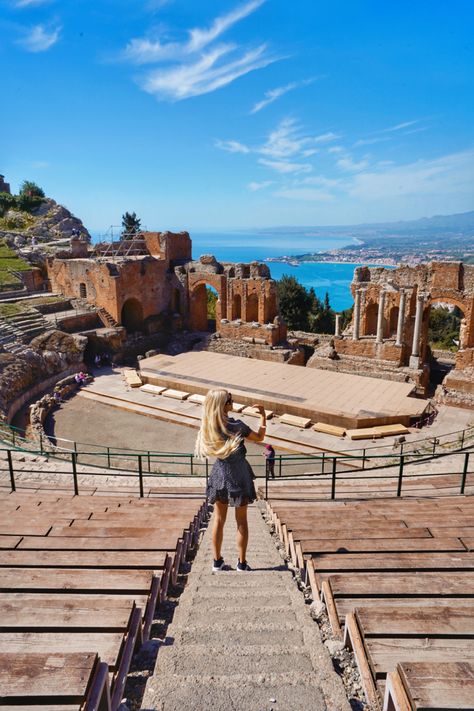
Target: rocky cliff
point(48, 222)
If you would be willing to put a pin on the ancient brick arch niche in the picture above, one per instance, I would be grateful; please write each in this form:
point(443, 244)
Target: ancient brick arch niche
point(132, 315)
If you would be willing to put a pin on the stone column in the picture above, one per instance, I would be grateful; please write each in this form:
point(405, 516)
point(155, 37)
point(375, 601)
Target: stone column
point(337, 331)
point(415, 351)
point(356, 318)
point(379, 338)
point(401, 318)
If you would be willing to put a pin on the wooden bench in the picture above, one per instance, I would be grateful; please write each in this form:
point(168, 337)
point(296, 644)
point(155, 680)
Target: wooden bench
point(421, 686)
point(54, 680)
point(152, 389)
point(295, 421)
point(175, 394)
point(132, 378)
point(329, 429)
point(197, 399)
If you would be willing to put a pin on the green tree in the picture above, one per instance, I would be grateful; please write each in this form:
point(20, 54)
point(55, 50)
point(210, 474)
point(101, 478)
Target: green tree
point(30, 189)
point(443, 329)
point(131, 224)
point(7, 201)
point(211, 303)
point(295, 303)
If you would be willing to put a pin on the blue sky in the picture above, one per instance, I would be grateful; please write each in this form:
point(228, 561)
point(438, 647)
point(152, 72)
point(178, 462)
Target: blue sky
point(227, 114)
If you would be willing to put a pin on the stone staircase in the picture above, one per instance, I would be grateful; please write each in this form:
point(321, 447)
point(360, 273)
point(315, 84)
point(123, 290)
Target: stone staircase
point(243, 640)
point(106, 318)
point(21, 328)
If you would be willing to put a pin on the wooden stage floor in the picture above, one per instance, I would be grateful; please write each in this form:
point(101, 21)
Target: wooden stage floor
point(350, 401)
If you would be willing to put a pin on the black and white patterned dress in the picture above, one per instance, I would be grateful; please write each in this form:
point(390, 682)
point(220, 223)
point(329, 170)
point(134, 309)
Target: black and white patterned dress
point(231, 479)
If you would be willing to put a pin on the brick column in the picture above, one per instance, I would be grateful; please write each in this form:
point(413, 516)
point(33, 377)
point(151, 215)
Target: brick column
point(356, 317)
point(337, 331)
point(401, 318)
point(379, 338)
point(415, 351)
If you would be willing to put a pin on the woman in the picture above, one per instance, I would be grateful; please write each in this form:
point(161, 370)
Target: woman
point(231, 479)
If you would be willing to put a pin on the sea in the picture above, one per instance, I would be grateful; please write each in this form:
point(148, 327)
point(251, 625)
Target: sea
point(331, 277)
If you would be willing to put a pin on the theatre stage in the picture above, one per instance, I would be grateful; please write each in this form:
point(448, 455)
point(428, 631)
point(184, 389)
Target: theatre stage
point(350, 401)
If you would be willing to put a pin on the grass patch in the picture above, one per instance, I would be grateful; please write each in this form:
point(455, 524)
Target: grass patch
point(10, 261)
point(7, 310)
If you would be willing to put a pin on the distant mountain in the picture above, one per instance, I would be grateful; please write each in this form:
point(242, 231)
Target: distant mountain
point(460, 222)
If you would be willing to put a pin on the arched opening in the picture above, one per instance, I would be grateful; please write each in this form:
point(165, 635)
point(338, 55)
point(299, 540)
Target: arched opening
point(82, 290)
point(371, 319)
point(393, 321)
point(252, 307)
point(446, 334)
point(236, 307)
point(132, 315)
point(175, 301)
point(203, 308)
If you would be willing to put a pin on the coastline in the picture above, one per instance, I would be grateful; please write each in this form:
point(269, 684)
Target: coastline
point(356, 263)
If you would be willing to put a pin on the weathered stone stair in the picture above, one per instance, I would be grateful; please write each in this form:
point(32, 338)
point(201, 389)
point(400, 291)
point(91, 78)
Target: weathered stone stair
point(243, 640)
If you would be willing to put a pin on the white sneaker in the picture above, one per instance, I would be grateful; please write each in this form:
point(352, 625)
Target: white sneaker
point(218, 565)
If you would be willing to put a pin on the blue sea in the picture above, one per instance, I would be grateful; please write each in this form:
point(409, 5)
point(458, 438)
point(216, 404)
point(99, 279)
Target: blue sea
point(324, 277)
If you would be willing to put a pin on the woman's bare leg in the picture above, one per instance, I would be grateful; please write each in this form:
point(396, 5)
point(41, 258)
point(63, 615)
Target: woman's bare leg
point(220, 514)
point(242, 531)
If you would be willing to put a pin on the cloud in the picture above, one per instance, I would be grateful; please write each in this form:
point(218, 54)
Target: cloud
point(273, 94)
point(232, 146)
point(306, 194)
point(288, 140)
point(371, 141)
point(205, 75)
point(196, 66)
point(450, 174)
point(326, 137)
point(336, 149)
point(286, 166)
point(40, 39)
point(347, 163)
point(260, 186)
point(398, 126)
point(30, 3)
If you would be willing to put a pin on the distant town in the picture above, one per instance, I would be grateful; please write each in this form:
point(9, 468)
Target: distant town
point(441, 238)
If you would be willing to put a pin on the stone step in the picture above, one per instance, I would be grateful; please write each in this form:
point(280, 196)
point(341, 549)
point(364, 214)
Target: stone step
point(235, 619)
point(225, 695)
point(223, 660)
point(274, 635)
point(234, 601)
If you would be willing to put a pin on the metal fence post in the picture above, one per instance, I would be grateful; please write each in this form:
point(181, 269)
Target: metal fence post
point(13, 437)
point(363, 458)
point(41, 443)
point(323, 461)
point(462, 439)
point(10, 467)
point(74, 473)
point(75, 452)
point(333, 481)
point(149, 462)
point(266, 482)
point(207, 472)
point(279, 466)
point(464, 472)
point(191, 463)
point(108, 457)
point(140, 475)
point(400, 475)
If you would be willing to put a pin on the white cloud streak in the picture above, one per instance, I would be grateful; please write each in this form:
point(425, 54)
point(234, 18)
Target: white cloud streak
point(254, 186)
point(285, 166)
point(232, 146)
point(305, 194)
point(40, 39)
point(398, 126)
point(348, 164)
point(196, 66)
point(273, 94)
point(30, 3)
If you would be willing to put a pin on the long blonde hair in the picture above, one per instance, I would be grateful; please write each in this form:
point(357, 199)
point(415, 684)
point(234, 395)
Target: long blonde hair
point(214, 439)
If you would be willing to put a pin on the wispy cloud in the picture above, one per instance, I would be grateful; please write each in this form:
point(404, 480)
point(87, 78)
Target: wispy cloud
point(197, 65)
point(288, 139)
point(30, 3)
point(336, 149)
point(283, 166)
point(450, 174)
point(398, 126)
point(232, 146)
point(39, 38)
point(254, 186)
point(371, 141)
point(305, 194)
point(348, 164)
point(273, 94)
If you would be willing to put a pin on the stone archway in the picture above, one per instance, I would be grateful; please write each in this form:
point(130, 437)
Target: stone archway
point(198, 307)
point(236, 307)
point(393, 321)
point(371, 312)
point(252, 307)
point(132, 315)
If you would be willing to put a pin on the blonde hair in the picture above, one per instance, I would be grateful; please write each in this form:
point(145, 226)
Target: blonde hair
point(214, 439)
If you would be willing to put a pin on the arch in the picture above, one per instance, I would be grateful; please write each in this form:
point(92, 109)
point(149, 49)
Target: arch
point(198, 311)
point(132, 315)
point(82, 290)
point(371, 319)
point(393, 320)
point(252, 307)
point(236, 307)
point(175, 301)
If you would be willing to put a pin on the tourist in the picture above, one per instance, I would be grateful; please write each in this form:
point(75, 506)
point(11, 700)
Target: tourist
point(98, 361)
point(269, 454)
point(78, 379)
point(231, 479)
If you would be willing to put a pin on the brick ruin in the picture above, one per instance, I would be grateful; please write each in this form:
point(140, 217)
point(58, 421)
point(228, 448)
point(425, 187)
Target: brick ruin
point(150, 282)
point(388, 335)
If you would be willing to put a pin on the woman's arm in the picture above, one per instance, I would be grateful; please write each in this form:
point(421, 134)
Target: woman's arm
point(260, 435)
